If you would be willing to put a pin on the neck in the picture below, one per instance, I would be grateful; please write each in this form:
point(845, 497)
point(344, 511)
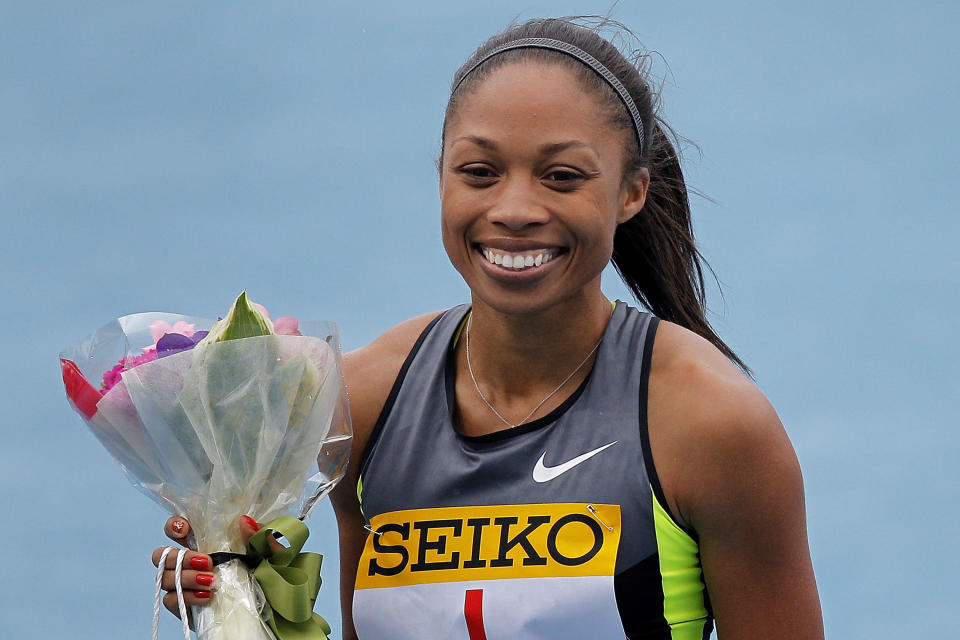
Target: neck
point(521, 356)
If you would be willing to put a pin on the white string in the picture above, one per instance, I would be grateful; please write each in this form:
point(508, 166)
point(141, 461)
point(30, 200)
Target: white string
point(180, 603)
point(161, 566)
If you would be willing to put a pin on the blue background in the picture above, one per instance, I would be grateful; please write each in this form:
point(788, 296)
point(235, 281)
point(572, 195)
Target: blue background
point(166, 157)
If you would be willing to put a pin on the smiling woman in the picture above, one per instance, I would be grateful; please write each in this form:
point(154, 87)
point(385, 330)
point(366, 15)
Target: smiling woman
point(527, 173)
point(543, 462)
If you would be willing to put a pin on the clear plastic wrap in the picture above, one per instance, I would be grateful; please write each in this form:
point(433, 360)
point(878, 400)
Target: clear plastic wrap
point(257, 425)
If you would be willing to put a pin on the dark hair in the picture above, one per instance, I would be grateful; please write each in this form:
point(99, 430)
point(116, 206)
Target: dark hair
point(654, 251)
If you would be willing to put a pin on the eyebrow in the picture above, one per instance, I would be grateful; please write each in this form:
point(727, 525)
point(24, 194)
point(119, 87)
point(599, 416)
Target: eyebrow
point(557, 147)
point(548, 149)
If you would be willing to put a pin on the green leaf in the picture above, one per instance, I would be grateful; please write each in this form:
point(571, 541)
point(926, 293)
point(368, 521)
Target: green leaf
point(242, 321)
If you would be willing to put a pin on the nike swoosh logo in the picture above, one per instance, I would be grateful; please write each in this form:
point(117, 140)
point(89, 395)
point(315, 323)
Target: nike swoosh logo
point(543, 473)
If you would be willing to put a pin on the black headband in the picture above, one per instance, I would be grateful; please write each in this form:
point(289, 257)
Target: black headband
point(579, 54)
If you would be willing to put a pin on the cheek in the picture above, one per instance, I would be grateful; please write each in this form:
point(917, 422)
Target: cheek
point(599, 229)
point(452, 232)
point(600, 251)
point(458, 209)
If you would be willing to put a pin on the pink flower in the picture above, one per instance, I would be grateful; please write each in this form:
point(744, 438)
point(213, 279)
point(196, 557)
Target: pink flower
point(160, 328)
point(286, 326)
point(283, 325)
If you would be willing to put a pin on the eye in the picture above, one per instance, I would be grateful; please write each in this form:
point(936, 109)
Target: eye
point(478, 174)
point(561, 175)
point(564, 179)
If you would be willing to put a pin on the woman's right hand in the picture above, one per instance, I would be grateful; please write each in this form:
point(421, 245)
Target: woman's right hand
point(197, 576)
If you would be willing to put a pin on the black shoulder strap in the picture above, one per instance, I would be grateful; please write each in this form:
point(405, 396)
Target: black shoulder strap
point(394, 392)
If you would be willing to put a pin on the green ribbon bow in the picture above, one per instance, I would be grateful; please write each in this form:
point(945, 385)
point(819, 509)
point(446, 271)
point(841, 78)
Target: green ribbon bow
point(290, 581)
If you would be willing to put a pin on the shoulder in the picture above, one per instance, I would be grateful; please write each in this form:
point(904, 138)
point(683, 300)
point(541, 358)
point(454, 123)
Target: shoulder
point(729, 472)
point(713, 433)
point(371, 370)
point(369, 373)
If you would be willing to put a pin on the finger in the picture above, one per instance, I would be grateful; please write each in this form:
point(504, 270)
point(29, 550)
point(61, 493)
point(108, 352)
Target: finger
point(191, 560)
point(274, 543)
point(248, 526)
point(177, 529)
point(190, 598)
point(191, 580)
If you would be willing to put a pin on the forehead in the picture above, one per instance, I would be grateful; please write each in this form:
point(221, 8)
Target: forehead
point(527, 99)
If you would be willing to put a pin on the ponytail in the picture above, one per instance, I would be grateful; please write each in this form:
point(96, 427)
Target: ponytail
point(655, 253)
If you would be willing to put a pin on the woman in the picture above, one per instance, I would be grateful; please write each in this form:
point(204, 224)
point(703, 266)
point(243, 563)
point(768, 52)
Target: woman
point(544, 462)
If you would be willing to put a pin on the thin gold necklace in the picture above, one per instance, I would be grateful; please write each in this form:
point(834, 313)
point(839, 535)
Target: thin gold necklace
point(540, 404)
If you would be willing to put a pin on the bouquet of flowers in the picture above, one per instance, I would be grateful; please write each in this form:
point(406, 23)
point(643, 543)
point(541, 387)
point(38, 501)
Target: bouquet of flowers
point(217, 419)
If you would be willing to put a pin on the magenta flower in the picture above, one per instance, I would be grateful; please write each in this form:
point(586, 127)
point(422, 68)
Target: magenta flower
point(112, 377)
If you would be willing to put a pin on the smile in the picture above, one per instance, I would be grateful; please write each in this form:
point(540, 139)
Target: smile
point(518, 260)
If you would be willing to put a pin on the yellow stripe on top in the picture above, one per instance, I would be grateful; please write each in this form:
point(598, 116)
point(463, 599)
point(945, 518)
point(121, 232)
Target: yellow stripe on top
point(684, 592)
point(451, 544)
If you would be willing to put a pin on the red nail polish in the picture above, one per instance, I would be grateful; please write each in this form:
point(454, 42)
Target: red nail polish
point(177, 526)
point(253, 524)
point(202, 594)
point(206, 579)
point(200, 563)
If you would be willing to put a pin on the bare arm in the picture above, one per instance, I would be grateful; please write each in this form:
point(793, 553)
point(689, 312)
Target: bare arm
point(370, 373)
point(730, 473)
point(352, 538)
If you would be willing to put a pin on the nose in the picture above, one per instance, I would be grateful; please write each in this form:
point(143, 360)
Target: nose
point(516, 205)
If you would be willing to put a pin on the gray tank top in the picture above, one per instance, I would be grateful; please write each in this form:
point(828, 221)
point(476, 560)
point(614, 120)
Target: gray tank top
point(554, 529)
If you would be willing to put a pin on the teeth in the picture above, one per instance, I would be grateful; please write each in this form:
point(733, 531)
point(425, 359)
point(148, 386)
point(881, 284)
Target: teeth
point(518, 260)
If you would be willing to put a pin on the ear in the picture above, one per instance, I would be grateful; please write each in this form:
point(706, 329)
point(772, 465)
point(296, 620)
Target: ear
point(440, 176)
point(633, 194)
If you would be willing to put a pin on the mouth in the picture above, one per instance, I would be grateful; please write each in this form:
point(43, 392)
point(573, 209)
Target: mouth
point(516, 261)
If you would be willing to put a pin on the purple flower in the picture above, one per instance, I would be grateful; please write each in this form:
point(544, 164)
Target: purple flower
point(172, 343)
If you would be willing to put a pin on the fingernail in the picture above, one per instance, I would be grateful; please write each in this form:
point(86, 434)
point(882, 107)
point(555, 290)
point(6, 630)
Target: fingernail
point(177, 526)
point(253, 524)
point(202, 594)
point(206, 579)
point(200, 563)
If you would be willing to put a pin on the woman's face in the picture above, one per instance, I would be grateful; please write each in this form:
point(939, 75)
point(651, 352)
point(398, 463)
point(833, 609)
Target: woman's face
point(532, 188)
